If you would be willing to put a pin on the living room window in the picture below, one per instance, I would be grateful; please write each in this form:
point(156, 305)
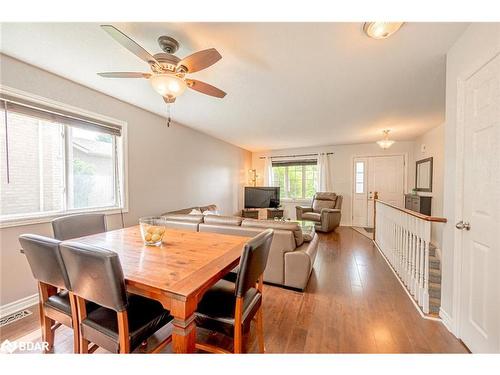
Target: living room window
point(297, 179)
point(53, 163)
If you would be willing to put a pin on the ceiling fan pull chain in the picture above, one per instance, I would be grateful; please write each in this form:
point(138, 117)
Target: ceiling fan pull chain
point(169, 118)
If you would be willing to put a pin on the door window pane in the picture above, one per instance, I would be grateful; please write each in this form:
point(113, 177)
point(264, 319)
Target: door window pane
point(360, 177)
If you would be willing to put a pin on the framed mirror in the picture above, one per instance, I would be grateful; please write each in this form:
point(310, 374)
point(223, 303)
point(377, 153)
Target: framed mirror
point(423, 179)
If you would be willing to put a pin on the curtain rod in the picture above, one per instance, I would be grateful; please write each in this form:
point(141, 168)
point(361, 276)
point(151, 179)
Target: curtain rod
point(296, 156)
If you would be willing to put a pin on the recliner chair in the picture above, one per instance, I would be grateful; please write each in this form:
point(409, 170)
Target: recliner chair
point(325, 211)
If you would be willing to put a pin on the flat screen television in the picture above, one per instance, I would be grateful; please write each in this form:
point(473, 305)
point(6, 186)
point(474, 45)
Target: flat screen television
point(262, 197)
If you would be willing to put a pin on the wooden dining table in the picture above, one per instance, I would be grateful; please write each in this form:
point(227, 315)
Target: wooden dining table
point(176, 274)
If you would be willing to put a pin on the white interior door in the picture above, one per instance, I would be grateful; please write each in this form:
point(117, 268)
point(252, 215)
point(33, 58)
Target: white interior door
point(360, 193)
point(386, 177)
point(480, 281)
point(382, 174)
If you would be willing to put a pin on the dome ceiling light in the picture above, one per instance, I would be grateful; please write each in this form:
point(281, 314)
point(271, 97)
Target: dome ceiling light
point(381, 30)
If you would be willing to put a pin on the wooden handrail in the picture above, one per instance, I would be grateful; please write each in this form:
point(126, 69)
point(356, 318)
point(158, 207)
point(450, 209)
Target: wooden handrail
point(414, 213)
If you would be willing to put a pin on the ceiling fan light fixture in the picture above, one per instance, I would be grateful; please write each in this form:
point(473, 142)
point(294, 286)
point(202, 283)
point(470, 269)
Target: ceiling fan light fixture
point(168, 85)
point(385, 143)
point(381, 30)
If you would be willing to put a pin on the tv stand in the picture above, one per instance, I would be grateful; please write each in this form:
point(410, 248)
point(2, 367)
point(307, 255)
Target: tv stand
point(250, 213)
point(273, 213)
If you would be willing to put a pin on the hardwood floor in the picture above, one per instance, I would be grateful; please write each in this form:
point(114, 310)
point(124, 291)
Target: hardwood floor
point(353, 304)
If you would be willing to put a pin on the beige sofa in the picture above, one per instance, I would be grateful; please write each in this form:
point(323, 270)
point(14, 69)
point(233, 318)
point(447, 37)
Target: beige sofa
point(325, 211)
point(292, 253)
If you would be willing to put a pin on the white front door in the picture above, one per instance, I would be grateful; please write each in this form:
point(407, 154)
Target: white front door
point(480, 281)
point(381, 174)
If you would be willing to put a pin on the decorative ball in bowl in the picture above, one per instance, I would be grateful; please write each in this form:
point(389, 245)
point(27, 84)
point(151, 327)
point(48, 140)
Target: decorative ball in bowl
point(152, 230)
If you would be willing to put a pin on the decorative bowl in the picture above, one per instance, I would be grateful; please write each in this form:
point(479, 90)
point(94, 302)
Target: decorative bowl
point(152, 230)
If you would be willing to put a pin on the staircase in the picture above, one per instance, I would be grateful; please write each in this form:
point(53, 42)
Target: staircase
point(434, 281)
point(404, 239)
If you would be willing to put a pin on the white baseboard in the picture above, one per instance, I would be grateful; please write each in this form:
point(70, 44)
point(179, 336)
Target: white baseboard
point(447, 320)
point(18, 305)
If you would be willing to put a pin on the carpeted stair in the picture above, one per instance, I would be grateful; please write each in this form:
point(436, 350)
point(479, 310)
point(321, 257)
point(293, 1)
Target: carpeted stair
point(434, 281)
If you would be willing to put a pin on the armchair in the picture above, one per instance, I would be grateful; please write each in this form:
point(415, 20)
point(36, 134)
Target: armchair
point(325, 211)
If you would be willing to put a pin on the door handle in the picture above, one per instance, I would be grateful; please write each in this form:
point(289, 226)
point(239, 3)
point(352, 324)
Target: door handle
point(461, 225)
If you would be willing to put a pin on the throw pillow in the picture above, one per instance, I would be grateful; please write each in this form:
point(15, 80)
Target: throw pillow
point(210, 212)
point(194, 211)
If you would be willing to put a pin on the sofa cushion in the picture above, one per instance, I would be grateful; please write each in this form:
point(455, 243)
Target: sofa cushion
point(223, 220)
point(313, 216)
point(324, 200)
point(210, 207)
point(184, 217)
point(275, 224)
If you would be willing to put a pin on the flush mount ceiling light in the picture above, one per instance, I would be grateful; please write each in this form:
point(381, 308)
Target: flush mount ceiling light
point(381, 30)
point(385, 143)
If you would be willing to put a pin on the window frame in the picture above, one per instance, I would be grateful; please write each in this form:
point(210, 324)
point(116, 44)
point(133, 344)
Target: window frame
point(122, 149)
point(284, 195)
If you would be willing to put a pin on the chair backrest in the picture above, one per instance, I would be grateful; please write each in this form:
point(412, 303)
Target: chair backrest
point(323, 200)
point(95, 274)
point(45, 260)
point(73, 226)
point(338, 203)
point(253, 261)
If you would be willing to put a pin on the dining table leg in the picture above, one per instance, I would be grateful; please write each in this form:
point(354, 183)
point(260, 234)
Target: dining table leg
point(184, 326)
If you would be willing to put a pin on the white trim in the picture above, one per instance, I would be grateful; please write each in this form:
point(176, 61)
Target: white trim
point(46, 217)
point(446, 318)
point(404, 288)
point(20, 304)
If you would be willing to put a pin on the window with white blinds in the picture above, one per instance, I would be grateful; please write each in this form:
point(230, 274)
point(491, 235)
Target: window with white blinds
point(53, 161)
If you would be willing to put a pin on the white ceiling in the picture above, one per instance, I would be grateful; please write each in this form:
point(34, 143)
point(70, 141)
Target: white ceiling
point(288, 84)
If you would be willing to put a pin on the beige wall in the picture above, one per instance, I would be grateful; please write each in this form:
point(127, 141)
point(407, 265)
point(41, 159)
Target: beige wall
point(479, 43)
point(341, 168)
point(169, 168)
point(433, 142)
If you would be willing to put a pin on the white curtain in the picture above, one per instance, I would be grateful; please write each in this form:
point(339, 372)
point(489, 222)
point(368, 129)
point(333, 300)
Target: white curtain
point(324, 173)
point(268, 172)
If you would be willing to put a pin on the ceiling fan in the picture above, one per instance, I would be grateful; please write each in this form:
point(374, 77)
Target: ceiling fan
point(168, 72)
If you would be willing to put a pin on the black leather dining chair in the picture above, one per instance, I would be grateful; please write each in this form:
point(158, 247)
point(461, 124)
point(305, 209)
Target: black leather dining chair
point(229, 307)
point(74, 226)
point(123, 321)
point(57, 305)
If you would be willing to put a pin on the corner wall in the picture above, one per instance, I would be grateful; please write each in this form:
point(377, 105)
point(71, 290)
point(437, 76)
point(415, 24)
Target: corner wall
point(168, 168)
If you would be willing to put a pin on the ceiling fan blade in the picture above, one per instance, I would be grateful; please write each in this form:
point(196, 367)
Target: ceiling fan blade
point(129, 44)
point(200, 60)
point(124, 75)
point(205, 88)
